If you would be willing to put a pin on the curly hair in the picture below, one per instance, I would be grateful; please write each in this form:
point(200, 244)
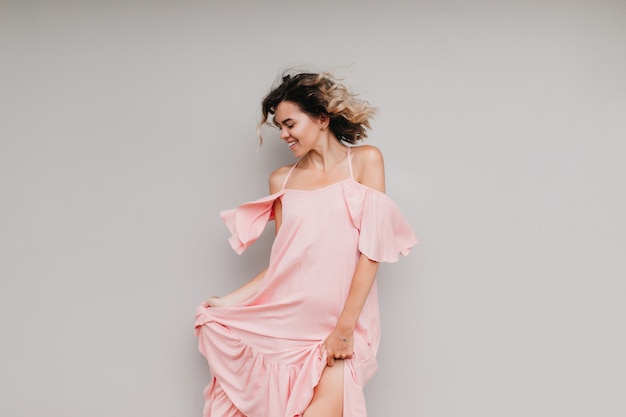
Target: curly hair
point(320, 94)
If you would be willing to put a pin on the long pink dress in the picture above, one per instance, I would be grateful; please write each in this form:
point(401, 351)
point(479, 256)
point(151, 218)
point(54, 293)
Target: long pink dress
point(265, 355)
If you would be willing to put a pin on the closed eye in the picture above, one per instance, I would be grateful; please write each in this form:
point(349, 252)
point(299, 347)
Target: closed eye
point(289, 123)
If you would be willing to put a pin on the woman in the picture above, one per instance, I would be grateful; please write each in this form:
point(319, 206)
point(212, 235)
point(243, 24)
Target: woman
point(300, 338)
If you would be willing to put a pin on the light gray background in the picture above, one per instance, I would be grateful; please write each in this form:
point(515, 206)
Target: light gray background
point(126, 126)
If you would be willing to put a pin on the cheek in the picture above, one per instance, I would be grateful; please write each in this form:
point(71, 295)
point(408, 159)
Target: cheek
point(305, 131)
point(297, 132)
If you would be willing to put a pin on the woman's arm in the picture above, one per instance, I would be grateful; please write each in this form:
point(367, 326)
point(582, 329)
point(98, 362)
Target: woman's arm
point(277, 178)
point(238, 296)
point(340, 343)
point(369, 170)
point(249, 289)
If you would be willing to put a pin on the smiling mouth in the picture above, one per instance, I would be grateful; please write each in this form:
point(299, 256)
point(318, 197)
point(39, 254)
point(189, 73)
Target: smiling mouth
point(292, 144)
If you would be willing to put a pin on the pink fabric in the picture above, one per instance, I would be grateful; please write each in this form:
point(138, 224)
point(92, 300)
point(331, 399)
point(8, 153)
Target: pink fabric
point(264, 355)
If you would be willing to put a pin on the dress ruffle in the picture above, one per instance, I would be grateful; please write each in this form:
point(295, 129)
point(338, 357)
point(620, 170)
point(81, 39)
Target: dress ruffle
point(247, 222)
point(383, 230)
point(255, 383)
point(247, 382)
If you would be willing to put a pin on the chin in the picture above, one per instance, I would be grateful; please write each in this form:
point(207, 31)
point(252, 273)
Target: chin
point(298, 153)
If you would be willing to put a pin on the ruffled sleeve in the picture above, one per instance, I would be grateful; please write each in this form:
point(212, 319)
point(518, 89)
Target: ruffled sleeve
point(247, 222)
point(383, 230)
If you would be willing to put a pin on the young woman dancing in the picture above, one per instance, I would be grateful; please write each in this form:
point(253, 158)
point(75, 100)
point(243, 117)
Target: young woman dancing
point(300, 338)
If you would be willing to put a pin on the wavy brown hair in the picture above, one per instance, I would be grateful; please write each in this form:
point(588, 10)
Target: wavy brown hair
point(320, 94)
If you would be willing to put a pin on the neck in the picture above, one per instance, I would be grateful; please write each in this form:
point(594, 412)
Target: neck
point(326, 155)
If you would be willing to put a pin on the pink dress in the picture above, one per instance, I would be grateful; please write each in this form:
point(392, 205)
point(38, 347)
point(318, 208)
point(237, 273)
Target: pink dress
point(264, 355)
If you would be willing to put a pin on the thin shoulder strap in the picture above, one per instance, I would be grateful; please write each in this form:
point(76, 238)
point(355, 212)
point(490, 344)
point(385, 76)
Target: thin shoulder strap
point(289, 175)
point(350, 163)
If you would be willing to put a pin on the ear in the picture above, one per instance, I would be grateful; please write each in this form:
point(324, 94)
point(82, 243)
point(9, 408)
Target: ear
point(323, 120)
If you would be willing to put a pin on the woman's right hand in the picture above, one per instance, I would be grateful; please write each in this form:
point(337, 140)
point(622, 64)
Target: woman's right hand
point(214, 301)
point(238, 296)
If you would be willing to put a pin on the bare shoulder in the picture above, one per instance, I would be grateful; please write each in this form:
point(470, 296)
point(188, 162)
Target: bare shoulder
point(369, 166)
point(277, 178)
point(367, 154)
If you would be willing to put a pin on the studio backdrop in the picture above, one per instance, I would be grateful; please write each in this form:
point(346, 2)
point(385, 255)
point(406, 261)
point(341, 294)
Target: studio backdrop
point(126, 126)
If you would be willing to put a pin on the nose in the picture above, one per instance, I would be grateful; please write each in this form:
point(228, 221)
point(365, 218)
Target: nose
point(284, 133)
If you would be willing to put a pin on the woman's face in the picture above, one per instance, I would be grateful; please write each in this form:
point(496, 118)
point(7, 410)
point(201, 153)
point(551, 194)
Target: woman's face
point(300, 131)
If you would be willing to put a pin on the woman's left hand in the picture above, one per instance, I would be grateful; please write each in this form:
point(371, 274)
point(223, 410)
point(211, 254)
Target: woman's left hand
point(338, 347)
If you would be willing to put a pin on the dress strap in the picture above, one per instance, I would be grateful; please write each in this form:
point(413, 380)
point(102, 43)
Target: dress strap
point(289, 175)
point(350, 163)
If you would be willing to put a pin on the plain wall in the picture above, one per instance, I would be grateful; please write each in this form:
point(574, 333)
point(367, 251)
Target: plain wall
point(127, 126)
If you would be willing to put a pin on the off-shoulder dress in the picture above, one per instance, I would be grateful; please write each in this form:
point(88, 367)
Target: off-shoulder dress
point(264, 354)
